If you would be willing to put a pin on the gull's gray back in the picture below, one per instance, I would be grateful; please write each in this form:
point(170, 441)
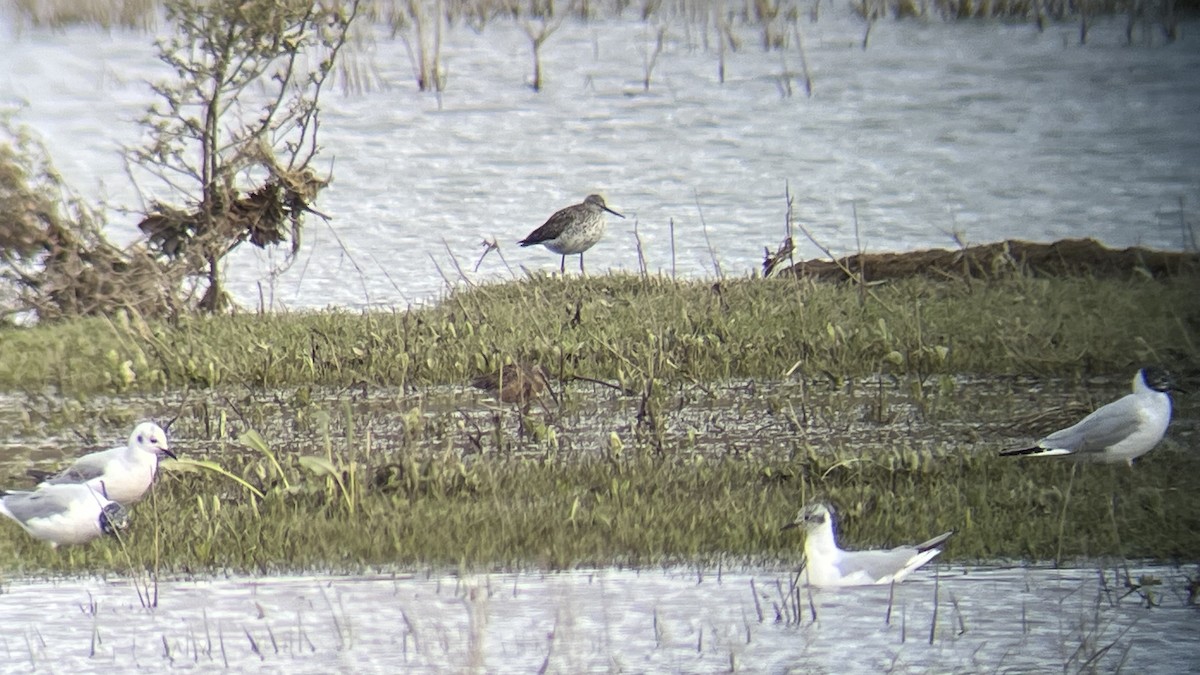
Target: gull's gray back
point(27, 506)
point(1107, 425)
point(84, 469)
point(876, 564)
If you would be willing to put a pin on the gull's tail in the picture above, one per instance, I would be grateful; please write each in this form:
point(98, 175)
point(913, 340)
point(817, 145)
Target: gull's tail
point(1034, 451)
point(935, 542)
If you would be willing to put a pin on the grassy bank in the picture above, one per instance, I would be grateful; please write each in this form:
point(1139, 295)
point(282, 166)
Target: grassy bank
point(626, 328)
point(382, 470)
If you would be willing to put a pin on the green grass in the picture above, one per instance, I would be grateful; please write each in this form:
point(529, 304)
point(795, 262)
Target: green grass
point(627, 328)
point(637, 510)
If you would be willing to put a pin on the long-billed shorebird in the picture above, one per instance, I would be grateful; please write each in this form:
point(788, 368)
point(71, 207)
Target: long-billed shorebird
point(71, 513)
point(125, 472)
point(573, 230)
point(828, 565)
point(515, 382)
point(1120, 431)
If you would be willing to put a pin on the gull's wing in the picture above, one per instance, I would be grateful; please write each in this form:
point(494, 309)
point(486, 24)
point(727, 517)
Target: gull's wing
point(85, 468)
point(27, 506)
point(1107, 425)
point(881, 567)
point(876, 566)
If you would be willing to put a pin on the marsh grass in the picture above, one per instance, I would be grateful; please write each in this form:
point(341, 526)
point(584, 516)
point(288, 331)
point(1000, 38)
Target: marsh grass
point(628, 329)
point(640, 508)
point(675, 470)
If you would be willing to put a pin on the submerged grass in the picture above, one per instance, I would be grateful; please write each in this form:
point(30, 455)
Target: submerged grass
point(624, 328)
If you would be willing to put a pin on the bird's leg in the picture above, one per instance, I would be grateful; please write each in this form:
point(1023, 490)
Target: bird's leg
point(562, 266)
point(581, 272)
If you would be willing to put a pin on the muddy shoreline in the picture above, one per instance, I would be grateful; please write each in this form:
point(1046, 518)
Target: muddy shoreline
point(1067, 257)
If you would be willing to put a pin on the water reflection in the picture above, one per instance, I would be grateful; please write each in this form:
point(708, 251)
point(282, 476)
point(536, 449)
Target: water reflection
point(677, 620)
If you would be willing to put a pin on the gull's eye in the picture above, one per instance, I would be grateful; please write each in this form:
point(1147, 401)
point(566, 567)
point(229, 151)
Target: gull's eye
point(141, 439)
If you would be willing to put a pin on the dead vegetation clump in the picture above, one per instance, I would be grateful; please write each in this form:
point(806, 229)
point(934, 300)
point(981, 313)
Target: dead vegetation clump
point(54, 259)
point(269, 215)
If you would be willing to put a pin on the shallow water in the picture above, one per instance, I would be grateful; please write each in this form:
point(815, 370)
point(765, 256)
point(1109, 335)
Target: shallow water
point(987, 129)
point(675, 620)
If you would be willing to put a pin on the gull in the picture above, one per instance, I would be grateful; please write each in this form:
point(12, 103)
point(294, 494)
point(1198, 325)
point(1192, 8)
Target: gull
point(70, 513)
point(123, 473)
point(828, 565)
point(1121, 431)
point(573, 230)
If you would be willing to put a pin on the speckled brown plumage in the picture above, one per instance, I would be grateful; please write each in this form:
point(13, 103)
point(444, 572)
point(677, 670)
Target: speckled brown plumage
point(573, 230)
point(514, 383)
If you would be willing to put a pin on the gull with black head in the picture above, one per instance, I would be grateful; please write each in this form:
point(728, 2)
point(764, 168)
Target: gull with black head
point(1120, 431)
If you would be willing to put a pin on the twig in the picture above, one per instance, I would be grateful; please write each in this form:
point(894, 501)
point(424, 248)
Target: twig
point(672, 229)
point(454, 259)
point(862, 263)
point(712, 252)
point(808, 82)
point(841, 264)
point(640, 252)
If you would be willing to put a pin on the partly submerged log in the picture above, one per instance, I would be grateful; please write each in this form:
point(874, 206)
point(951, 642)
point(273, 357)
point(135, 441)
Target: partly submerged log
point(1068, 257)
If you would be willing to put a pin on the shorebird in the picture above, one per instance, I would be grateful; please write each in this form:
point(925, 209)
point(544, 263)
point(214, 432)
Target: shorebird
point(828, 565)
point(514, 383)
point(1120, 431)
point(572, 230)
point(71, 513)
point(125, 472)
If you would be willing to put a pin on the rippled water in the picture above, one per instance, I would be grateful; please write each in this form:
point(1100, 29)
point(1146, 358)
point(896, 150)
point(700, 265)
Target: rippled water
point(987, 129)
point(967, 620)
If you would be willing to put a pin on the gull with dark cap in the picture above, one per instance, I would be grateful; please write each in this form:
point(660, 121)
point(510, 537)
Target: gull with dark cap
point(828, 565)
point(573, 230)
point(1120, 431)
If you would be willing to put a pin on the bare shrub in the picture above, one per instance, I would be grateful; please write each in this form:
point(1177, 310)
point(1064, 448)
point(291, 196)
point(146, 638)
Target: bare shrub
point(538, 28)
point(235, 132)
